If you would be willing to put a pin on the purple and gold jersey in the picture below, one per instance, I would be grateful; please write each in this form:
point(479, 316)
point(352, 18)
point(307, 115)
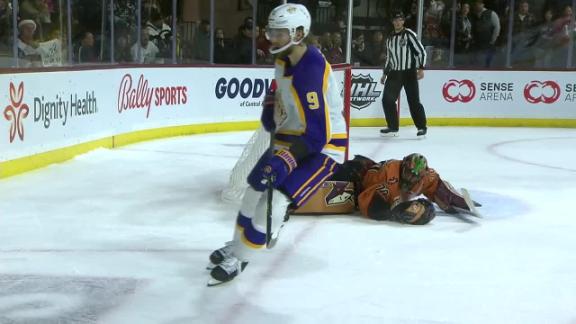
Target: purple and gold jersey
point(311, 106)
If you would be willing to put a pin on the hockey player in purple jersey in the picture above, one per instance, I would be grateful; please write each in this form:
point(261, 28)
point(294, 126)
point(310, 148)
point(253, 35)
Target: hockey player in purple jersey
point(310, 138)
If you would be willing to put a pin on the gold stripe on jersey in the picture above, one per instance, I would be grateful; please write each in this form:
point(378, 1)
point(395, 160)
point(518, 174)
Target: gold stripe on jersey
point(326, 159)
point(335, 148)
point(327, 71)
point(339, 136)
point(319, 183)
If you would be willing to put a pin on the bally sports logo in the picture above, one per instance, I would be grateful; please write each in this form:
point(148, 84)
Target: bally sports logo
point(546, 92)
point(141, 96)
point(459, 91)
point(16, 111)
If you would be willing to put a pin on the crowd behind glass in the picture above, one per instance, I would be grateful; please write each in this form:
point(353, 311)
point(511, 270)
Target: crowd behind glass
point(522, 34)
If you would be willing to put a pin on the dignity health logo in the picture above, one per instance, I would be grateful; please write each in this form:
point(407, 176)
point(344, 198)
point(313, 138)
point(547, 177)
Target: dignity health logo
point(16, 111)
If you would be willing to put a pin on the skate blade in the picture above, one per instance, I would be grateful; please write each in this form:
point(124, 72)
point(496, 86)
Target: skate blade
point(213, 282)
point(210, 266)
point(421, 137)
point(390, 135)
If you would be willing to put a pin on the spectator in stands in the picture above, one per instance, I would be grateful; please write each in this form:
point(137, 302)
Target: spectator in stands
point(544, 47)
point(360, 55)
point(563, 32)
point(412, 17)
point(463, 36)
point(87, 52)
point(263, 55)
point(432, 22)
point(485, 32)
point(125, 14)
point(326, 42)
point(314, 41)
point(122, 49)
point(160, 33)
point(222, 48)
point(36, 10)
point(523, 36)
point(201, 46)
point(145, 52)
point(377, 49)
point(335, 54)
point(243, 43)
point(27, 47)
point(5, 26)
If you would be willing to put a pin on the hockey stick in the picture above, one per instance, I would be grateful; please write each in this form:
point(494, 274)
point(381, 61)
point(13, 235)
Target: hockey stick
point(269, 197)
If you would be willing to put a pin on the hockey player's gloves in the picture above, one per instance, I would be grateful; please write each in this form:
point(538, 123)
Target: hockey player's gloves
point(267, 117)
point(416, 212)
point(276, 168)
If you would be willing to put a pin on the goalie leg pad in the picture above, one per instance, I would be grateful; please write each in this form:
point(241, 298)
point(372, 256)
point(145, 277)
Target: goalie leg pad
point(447, 197)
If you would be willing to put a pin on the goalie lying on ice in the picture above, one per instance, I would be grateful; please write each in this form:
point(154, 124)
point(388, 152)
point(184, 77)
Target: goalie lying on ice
point(388, 190)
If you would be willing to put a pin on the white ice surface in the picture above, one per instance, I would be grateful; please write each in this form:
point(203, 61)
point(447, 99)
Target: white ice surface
point(122, 236)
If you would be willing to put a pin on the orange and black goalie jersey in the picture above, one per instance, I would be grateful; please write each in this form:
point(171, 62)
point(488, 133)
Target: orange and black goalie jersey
point(381, 191)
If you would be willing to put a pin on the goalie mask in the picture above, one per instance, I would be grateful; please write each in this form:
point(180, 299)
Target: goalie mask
point(285, 20)
point(412, 170)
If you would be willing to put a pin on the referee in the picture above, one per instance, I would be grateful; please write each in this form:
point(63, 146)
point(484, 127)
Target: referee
point(405, 60)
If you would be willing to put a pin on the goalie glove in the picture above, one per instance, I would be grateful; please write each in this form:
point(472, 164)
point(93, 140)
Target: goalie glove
point(416, 212)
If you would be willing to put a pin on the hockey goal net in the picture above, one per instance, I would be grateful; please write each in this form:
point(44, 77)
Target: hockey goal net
point(260, 140)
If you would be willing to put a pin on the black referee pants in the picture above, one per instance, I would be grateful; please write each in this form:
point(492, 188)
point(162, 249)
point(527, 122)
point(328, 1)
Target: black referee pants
point(394, 83)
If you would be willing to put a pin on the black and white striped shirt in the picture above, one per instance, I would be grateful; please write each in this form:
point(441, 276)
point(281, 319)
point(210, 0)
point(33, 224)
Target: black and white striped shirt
point(404, 52)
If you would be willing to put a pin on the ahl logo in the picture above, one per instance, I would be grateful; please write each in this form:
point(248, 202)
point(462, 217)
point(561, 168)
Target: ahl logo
point(466, 91)
point(364, 91)
point(544, 95)
point(16, 111)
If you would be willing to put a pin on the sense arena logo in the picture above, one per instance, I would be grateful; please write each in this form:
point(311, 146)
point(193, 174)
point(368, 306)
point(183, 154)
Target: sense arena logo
point(546, 92)
point(459, 91)
point(364, 91)
point(16, 111)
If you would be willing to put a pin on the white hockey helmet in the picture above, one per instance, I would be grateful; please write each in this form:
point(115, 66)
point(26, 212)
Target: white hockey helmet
point(289, 16)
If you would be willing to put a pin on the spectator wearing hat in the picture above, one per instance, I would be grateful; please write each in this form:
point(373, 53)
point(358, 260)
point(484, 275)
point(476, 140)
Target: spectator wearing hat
point(27, 47)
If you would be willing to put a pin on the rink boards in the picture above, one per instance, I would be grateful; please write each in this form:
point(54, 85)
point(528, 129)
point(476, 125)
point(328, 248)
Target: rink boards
point(49, 117)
